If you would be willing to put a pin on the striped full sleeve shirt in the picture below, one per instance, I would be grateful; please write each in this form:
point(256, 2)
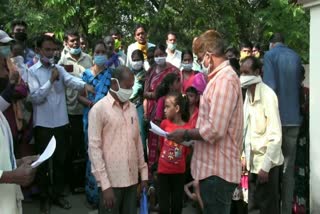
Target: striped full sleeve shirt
point(220, 124)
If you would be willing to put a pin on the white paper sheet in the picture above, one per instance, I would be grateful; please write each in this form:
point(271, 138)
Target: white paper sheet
point(48, 152)
point(157, 130)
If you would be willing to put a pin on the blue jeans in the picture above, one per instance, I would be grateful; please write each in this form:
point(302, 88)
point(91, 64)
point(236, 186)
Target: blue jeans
point(216, 195)
point(289, 147)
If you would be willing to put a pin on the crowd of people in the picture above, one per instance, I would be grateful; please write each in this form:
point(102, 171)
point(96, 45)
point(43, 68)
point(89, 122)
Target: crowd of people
point(234, 119)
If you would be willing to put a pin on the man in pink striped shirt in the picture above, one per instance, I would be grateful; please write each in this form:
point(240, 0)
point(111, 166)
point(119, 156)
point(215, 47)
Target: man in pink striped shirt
point(218, 136)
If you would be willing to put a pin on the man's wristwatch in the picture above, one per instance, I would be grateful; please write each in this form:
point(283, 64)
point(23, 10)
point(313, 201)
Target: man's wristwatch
point(186, 136)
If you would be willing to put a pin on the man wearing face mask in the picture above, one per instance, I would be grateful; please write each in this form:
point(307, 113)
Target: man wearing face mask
point(173, 55)
point(117, 163)
point(262, 139)
point(114, 59)
point(75, 62)
point(47, 84)
point(218, 134)
point(19, 33)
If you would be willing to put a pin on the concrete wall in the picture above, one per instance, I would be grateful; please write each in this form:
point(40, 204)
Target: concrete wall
point(314, 81)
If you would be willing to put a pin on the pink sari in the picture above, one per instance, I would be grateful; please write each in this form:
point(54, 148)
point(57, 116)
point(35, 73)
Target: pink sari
point(153, 80)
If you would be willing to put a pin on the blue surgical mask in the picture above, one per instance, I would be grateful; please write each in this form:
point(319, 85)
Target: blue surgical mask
point(75, 51)
point(5, 51)
point(187, 66)
point(100, 60)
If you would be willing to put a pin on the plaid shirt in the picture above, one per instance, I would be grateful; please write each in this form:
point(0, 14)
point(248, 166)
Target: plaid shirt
point(220, 124)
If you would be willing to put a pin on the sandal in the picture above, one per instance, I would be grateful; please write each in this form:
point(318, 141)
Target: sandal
point(62, 203)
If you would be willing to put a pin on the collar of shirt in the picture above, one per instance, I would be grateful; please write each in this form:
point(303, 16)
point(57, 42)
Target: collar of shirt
point(116, 103)
point(38, 65)
point(257, 94)
point(217, 69)
point(69, 57)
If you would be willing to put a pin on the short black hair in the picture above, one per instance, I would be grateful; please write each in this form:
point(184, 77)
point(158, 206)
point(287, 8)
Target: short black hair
point(18, 22)
point(43, 38)
point(186, 52)
point(257, 45)
point(139, 53)
point(277, 37)
point(246, 44)
point(99, 42)
point(172, 33)
point(137, 26)
point(233, 50)
point(192, 89)
point(70, 32)
point(255, 62)
point(161, 47)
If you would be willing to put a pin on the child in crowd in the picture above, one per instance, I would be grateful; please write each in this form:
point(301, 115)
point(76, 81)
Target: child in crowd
point(172, 159)
point(193, 101)
point(171, 83)
point(195, 195)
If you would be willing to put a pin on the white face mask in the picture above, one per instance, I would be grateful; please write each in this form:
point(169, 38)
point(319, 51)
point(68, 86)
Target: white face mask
point(122, 94)
point(247, 80)
point(205, 69)
point(160, 60)
point(137, 65)
point(187, 67)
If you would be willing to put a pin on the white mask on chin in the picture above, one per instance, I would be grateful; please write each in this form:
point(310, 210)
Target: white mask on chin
point(247, 80)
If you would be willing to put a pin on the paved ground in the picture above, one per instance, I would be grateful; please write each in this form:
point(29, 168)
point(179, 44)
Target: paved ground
point(78, 207)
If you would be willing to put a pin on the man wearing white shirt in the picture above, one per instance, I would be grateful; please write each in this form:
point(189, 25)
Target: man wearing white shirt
point(173, 55)
point(47, 85)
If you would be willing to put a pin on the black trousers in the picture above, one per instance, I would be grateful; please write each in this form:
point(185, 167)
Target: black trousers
point(50, 174)
point(264, 198)
point(75, 152)
point(171, 193)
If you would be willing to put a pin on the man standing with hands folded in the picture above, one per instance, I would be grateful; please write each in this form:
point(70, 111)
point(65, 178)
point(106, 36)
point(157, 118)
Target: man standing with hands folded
point(218, 134)
point(47, 83)
point(115, 147)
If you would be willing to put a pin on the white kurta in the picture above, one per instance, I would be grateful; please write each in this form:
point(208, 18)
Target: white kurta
point(10, 194)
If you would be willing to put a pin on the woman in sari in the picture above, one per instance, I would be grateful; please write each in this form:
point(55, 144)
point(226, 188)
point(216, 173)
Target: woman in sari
point(154, 77)
point(99, 77)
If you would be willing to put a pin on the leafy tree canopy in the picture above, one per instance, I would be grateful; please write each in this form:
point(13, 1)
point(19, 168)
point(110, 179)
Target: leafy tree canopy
point(237, 20)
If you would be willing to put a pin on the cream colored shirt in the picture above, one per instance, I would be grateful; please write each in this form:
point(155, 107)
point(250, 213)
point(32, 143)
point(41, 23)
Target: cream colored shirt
point(115, 147)
point(263, 130)
point(174, 59)
point(10, 194)
point(84, 62)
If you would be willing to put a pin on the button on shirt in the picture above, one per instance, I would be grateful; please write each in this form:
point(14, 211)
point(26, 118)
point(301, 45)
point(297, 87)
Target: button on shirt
point(115, 147)
point(174, 59)
point(84, 62)
point(263, 125)
point(220, 124)
point(49, 99)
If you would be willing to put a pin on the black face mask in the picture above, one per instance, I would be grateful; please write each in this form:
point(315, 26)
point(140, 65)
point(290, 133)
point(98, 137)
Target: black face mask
point(20, 36)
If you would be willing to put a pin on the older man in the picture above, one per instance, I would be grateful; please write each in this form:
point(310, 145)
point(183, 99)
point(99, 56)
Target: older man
point(115, 147)
point(218, 136)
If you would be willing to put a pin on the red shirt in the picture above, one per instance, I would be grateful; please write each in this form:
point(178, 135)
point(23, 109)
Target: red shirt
point(194, 117)
point(172, 158)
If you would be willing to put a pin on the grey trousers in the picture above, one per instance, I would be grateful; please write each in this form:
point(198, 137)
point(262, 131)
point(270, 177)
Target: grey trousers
point(289, 147)
point(126, 201)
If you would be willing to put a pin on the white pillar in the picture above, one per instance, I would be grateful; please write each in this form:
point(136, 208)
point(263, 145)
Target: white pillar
point(315, 108)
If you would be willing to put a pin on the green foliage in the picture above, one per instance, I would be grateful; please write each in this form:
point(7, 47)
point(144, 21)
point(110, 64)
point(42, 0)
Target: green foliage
point(236, 20)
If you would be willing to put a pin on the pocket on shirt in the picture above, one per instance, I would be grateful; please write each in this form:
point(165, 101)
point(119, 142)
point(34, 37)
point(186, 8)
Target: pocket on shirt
point(259, 122)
